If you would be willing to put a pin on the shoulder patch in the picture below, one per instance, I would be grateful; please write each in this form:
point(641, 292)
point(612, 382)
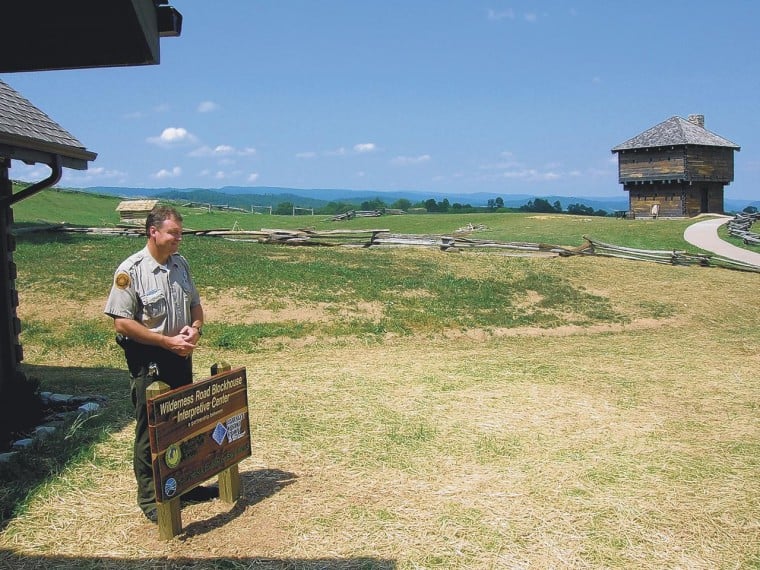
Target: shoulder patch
point(122, 280)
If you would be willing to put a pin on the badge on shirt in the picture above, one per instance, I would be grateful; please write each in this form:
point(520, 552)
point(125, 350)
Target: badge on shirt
point(122, 280)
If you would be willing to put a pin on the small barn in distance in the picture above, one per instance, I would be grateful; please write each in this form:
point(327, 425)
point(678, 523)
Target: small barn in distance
point(134, 212)
point(676, 169)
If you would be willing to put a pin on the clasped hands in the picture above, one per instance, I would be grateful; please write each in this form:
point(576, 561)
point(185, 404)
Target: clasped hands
point(185, 342)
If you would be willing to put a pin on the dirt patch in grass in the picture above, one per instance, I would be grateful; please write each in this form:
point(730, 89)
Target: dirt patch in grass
point(244, 307)
point(231, 308)
point(36, 305)
point(562, 331)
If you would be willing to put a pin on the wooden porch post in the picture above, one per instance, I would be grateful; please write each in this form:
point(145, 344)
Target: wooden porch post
point(10, 326)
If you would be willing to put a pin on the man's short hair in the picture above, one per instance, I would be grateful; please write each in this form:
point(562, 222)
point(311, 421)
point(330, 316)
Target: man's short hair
point(159, 214)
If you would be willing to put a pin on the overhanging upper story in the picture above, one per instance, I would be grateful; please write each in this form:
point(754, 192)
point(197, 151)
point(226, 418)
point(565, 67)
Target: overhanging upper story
point(676, 151)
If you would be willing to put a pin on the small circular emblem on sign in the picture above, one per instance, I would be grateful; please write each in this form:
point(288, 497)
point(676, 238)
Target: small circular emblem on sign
point(170, 487)
point(122, 280)
point(173, 456)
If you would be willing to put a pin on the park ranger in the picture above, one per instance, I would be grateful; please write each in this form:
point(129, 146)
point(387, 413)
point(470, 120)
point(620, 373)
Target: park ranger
point(158, 318)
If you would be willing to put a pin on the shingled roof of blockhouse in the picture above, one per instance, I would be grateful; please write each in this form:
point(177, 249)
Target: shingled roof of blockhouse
point(675, 131)
point(28, 134)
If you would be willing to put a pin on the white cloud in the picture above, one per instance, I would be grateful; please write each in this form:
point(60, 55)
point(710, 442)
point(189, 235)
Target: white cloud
point(29, 172)
point(74, 178)
point(509, 166)
point(359, 148)
point(531, 175)
point(220, 151)
point(207, 107)
point(365, 147)
point(514, 169)
point(509, 14)
point(508, 162)
point(79, 178)
point(599, 173)
point(162, 108)
point(227, 175)
point(102, 172)
point(164, 173)
point(171, 136)
point(253, 177)
point(495, 15)
point(408, 160)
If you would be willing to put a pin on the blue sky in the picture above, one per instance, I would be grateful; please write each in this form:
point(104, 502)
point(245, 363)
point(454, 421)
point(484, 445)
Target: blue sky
point(439, 96)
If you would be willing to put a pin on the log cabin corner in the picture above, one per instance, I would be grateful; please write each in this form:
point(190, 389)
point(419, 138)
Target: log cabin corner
point(675, 169)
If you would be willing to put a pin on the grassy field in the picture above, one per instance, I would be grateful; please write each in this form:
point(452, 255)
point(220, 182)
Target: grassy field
point(412, 408)
point(82, 209)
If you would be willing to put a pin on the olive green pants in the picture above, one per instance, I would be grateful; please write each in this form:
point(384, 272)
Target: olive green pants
point(175, 371)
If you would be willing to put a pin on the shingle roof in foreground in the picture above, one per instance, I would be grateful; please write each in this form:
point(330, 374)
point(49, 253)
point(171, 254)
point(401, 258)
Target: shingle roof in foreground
point(28, 134)
point(675, 131)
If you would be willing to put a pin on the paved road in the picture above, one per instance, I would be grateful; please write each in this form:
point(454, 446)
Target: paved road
point(705, 235)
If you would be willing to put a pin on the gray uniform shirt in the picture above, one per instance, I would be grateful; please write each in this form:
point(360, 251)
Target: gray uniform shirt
point(158, 296)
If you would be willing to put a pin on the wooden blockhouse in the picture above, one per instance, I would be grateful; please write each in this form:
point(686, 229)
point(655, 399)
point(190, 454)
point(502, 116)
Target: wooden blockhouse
point(676, 169)
point(135, 212)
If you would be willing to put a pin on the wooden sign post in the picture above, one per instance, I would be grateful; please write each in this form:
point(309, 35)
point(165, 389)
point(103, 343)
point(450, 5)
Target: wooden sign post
point(197, 431)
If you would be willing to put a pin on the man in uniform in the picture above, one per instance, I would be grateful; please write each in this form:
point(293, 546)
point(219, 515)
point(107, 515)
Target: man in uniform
point(158, 319)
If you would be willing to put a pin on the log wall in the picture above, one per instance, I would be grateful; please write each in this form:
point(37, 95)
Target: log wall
point(708, 163)
point(652, 164)
point(692, 163)
point(675, 200)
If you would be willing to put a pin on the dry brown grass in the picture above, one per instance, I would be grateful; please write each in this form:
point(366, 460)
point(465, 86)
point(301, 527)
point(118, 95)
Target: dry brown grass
point(631, 446)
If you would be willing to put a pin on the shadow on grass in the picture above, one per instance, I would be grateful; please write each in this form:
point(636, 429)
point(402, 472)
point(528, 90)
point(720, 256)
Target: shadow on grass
point(33, 467)
point(37, 465)
point(256, 486)
point(75, 435)
point(39, 232)
point(41, 561)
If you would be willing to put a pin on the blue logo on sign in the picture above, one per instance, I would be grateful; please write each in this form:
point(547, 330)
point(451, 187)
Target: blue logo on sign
point(170, 487)
point(220, 432)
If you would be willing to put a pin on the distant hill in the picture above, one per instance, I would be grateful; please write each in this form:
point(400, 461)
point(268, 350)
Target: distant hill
point(241, 200)
point(245, 197)
point(315, 197)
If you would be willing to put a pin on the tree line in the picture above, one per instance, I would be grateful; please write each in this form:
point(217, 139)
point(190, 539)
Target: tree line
point(538, 205)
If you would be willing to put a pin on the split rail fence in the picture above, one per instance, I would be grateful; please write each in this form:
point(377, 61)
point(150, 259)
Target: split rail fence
point(740, 227)
point(457, 242)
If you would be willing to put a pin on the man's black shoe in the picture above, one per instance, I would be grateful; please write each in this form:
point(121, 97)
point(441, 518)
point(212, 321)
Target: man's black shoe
point(201, 494)
point(152, 515)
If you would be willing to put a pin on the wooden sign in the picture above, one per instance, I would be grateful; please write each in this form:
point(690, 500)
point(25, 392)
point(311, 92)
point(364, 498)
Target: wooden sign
point(198, 431)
